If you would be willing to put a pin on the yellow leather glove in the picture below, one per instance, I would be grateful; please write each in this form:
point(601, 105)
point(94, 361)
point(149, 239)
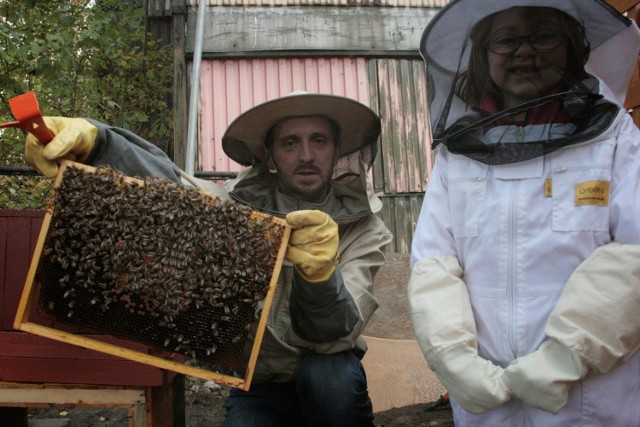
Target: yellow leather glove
point(313, 245)
point(74, 140)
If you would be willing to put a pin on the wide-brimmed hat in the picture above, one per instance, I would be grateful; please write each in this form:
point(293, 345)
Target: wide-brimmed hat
point(243, 140)
point(612, 43)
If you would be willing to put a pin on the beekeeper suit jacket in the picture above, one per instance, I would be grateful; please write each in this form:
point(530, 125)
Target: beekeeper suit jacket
point(330, 316)
point(511, 257)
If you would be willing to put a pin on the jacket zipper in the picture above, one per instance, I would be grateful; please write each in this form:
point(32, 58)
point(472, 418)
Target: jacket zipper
point(512, 270)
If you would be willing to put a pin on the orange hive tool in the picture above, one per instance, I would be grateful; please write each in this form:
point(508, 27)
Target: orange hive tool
point(26, 111)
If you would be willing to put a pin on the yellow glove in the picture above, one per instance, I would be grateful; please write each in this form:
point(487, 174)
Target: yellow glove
point(313, 245)
point(74, 140)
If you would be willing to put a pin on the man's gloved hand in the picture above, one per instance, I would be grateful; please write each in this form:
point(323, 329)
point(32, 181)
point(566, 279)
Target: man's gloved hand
point(313, 245)
point(474, 382)
point(544, 377)
point(74, 140)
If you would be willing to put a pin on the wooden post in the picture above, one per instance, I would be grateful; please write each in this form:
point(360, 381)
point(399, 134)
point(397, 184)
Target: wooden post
point(14, 417)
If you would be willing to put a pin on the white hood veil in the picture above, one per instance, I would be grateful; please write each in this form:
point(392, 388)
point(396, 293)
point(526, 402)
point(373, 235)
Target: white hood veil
point(592, 100)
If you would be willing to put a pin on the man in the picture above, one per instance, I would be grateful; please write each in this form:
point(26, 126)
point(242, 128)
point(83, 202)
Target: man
point(307, 157)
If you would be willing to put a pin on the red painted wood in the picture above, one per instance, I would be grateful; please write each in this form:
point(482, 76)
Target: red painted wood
point(78, 371)
point(3, 265)
point(29, 345)
point(30, 358)
point(17, 259)
point(14, 417)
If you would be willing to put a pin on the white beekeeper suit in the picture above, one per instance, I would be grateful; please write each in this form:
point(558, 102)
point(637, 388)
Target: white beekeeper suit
point(525, 284)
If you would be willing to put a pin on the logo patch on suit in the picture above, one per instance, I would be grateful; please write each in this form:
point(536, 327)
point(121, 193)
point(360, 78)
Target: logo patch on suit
point(592, 193)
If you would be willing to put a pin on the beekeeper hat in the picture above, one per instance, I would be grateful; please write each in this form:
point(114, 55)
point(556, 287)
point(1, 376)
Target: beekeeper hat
point(359, 126)
point(446, 47)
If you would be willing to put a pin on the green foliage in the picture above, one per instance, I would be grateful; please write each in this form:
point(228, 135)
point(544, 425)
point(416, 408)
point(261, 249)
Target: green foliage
point(85, 59)
point(82, 58)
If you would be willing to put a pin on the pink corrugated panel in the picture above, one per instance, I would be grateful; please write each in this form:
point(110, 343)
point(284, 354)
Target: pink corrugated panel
point(229, 87)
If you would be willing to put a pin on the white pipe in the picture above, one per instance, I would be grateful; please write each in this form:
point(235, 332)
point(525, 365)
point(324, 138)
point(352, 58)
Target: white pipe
point(192, 131)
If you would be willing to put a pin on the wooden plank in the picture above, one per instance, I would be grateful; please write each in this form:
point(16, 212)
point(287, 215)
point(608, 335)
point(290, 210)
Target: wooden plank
point(129, 354)
point(13, 343)
point(414, 122)
point(400, 213)
point(180, 92)
point(36, 227)
point(16, 260)
point(635, 114)
point(6, 213)
point(374, 101)
point(18, 233)
point(633, 95)
point(77, 397)
point(165, 404)
point(374, 30)
point(633, 13)
point(386, 114)
point(16, 417)
point(79, 371)
point(4, 306)
point(623, 5)
point(166, 7)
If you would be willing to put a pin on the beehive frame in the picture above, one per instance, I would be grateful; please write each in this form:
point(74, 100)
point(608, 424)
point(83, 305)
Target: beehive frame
point(30, 295)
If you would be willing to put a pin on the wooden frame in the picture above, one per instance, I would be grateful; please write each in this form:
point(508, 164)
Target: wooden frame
point(29, 296)
point(44, 395)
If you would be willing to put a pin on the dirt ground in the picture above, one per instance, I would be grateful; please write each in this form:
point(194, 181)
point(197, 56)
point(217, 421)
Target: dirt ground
point(204, 401)
point(205, 408)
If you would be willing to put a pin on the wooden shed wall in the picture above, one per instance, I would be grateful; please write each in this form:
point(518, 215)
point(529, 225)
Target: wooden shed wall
point(310, 31)
point(632, 9)
point(401, 171)
point(229, 87)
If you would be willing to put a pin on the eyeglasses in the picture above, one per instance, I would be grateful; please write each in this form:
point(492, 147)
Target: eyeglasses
point(541, 40)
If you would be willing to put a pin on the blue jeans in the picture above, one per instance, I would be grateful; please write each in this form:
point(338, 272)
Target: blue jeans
point(330, 391)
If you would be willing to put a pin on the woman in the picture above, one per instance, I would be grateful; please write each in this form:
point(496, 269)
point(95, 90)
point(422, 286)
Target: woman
point(525, 257)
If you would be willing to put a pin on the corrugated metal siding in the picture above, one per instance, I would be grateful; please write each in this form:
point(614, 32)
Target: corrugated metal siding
point(394, 88)
point(373, 3)
point(229, 87)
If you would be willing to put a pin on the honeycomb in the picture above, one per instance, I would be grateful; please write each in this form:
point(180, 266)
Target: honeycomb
point(157, 263)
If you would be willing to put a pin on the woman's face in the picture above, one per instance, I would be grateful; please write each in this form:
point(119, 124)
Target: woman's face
point(526, 73)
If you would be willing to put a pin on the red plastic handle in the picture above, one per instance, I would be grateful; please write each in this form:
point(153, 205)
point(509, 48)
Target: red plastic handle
point(26, 110)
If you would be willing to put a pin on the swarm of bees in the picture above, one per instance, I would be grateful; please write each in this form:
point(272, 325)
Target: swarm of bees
point(161, 264)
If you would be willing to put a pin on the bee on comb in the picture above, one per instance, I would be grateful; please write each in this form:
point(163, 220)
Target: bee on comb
point(158, 263)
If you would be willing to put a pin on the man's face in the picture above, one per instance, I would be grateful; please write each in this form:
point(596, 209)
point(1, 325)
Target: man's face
point(304, 153)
